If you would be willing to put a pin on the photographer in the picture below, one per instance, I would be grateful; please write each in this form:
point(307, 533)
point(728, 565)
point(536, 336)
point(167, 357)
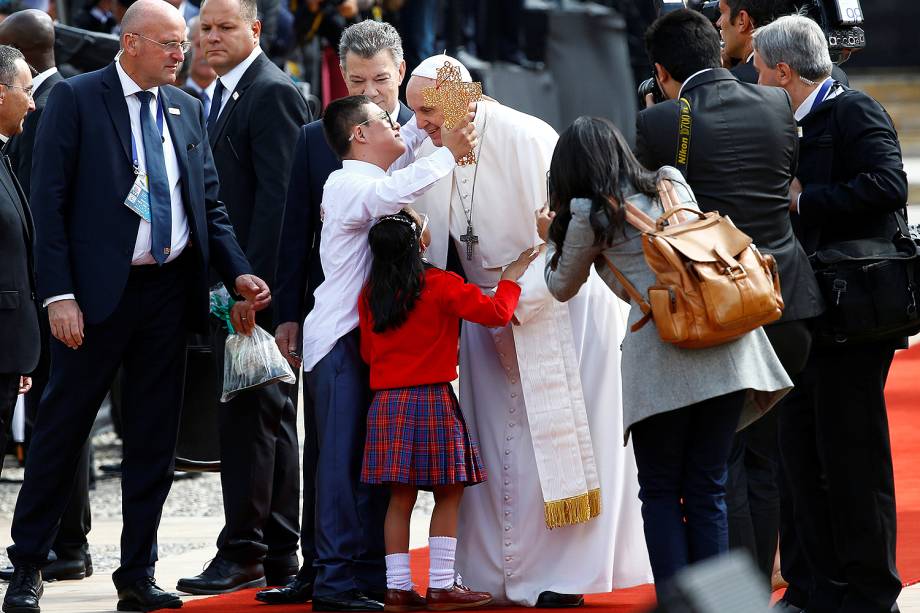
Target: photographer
point(833, 428)
point(742, 169)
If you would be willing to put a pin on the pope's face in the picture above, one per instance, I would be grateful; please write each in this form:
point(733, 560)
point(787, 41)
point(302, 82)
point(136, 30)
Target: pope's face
point(430, 119)
point(378, 77)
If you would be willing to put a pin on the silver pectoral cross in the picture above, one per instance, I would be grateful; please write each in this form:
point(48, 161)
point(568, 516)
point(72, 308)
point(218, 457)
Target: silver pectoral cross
point(470, 239)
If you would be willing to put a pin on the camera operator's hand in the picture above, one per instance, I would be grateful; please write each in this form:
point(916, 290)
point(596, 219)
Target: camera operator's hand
point(795, 190)
point(649, 100)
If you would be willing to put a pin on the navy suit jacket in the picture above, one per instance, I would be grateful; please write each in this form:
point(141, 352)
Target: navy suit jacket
point(81, 173)
point(299, 268)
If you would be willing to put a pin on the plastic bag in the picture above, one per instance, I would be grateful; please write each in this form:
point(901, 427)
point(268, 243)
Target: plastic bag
point(250, 362)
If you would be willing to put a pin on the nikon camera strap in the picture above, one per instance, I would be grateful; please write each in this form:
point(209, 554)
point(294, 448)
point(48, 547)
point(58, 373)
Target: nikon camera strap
point(683, 137)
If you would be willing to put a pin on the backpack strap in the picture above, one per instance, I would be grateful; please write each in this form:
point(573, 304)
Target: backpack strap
point(634, 294)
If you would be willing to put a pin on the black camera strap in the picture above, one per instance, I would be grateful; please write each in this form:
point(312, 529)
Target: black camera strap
point(683, 137)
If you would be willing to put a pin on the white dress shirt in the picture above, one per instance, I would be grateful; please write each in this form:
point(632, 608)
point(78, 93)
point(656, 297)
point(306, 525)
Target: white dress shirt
point(41, 77)
point(680, 92)
point(232, 78)
point(353, 197)
point(207, 93)
point(180, 230)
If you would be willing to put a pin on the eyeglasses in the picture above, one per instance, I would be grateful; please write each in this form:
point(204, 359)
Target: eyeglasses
point(27, 90)
point(170, 47)
point(382, 115)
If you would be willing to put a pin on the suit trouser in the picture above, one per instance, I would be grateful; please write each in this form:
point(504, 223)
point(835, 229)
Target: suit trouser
point(308, 517)
point(682, 458)
point(349, 514)
point(77, 520)
point(836, 451)
point(753, 494)
point(259, 474)
point(145, 335)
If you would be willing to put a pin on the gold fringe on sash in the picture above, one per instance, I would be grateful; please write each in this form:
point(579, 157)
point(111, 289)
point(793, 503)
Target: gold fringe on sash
point(573, 510)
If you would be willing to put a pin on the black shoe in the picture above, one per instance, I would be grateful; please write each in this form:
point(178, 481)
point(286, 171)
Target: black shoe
point(297, 591)
point(350, 600)
point(280, 572)
point(222, 576)
point(25, 590)
point(145, 595)
point(554, 600)
point(62, 569)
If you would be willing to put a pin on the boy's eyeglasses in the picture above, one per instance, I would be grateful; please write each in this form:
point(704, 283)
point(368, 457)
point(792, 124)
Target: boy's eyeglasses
point(382, 115)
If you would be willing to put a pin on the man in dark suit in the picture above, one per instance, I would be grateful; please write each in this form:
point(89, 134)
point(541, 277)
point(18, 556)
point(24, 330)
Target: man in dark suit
point(252, 127)
point(19, 334)
point(32, 32)
point(372, 64)
point(744, 174)
point(833, 429)
point(123, 268)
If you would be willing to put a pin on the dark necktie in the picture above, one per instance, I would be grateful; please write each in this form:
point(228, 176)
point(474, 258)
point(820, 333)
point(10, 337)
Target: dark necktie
point(216, 99)
point(157, 183)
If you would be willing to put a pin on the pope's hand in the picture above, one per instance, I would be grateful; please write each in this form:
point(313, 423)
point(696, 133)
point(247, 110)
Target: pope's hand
point(66, 321)
point(254, 290)
point(286, 338)
point(545, 219)
point(464, 137)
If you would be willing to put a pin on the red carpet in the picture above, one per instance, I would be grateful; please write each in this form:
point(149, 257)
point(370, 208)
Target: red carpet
point(903, 393)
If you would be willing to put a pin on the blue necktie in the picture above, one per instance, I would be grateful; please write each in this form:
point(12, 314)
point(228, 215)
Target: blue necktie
point(206, 103)
point(215, 106)
point(157, 183)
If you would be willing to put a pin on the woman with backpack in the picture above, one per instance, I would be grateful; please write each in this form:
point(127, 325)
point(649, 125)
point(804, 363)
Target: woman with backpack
point(682, 406)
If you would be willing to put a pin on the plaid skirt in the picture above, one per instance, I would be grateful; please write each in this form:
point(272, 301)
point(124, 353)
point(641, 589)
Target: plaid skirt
point(417, 436)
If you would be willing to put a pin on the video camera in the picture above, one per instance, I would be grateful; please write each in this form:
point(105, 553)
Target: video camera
point(841, 21)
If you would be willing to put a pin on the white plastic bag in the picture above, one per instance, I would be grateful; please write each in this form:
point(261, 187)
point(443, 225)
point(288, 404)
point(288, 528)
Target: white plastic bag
point(251, 362)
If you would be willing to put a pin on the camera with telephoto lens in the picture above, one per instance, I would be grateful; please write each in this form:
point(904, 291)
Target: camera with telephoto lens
point(841, 21)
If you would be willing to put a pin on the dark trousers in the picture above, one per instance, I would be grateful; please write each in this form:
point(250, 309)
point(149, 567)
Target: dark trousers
point(836, 454)
point(9, 393)
point(77, 520)
point(682, 458)
point(146, 336)
point(259, 474)
point(308, 516)
point(753, 493)
point(349, 514)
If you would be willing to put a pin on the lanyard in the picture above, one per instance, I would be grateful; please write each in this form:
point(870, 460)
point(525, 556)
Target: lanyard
point(159, 127)
point(822, 93)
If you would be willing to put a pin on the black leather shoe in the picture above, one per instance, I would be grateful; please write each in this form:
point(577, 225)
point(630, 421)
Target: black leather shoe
point(279, 573)
point(222, 576)
point(297, 591)
point(350, 600)
point(554, 600)
point(25, 590)
point(62, 569)
point(145, 595)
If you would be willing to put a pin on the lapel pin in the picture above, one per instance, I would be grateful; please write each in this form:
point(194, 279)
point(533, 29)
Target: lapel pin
point(174, 111)
point(236, 95)
point(799, 130)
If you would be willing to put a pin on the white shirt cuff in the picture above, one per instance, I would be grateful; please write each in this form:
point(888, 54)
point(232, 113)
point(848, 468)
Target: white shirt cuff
point(798, 204)
point(58, 298)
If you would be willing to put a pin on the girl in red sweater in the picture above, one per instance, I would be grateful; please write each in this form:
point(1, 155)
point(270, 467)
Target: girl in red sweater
point(416, 438)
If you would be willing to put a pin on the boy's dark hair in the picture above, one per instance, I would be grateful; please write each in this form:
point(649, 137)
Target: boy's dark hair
point(684, 42)
point(397, 272)
point(339, 118)
point(761, 12)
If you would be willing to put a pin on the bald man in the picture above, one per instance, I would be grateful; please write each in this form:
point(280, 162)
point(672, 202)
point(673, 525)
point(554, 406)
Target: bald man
point(128, 221)
point(32, 32)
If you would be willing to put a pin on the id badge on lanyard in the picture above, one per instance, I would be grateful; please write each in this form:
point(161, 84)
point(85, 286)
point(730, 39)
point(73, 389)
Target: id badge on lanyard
point(138, 198)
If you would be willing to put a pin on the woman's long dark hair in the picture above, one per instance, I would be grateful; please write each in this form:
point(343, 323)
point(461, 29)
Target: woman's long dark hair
point(397, 272)
point(592, 160)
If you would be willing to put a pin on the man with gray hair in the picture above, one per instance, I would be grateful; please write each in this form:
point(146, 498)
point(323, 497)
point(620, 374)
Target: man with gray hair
point(849, 185)
point(342, 523)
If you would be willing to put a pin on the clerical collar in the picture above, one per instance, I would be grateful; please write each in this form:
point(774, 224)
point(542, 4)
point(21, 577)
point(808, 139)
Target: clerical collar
point(816, 97)
point(41, 77)
point(688, 79)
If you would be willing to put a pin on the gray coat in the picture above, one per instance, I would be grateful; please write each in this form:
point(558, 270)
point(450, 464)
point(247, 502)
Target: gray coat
point(658, 376)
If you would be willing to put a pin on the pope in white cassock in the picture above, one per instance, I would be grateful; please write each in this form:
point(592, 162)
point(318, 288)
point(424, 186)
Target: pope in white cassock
point(542, 397)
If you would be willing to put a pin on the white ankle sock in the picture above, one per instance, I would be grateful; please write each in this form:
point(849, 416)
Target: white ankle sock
point(399, 577)
point(441, 569)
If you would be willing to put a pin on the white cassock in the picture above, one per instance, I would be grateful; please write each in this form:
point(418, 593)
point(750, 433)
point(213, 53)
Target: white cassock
point(504, 546)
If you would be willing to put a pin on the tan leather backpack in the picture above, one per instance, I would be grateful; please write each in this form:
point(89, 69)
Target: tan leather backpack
point(712, 284)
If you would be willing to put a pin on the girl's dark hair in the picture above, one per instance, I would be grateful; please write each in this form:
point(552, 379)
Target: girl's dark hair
point(592, 160)
point(397, 272)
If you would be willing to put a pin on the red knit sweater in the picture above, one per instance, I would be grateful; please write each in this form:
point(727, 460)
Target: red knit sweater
point(424, 349)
